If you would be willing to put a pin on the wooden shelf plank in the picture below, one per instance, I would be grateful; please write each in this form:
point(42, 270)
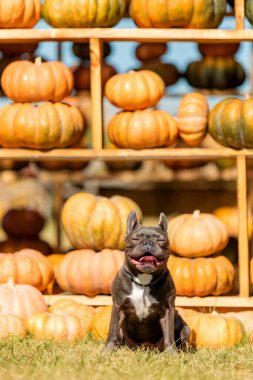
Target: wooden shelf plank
point(133, 34)
point(124, 154)
point(212, 302)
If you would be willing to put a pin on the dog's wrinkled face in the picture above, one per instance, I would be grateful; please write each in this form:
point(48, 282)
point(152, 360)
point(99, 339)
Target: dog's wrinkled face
point(147, 248)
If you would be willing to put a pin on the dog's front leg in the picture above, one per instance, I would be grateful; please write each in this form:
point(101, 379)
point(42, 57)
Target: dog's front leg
point(115, 326)
point(167, 324)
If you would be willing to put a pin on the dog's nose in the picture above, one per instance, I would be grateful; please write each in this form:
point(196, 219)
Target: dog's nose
point(148, 243)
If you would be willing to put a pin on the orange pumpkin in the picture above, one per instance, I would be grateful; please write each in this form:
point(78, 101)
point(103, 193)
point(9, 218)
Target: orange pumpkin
point(135, 90)
point(143, 129)
point(214, 330)
point(101, 323)
point(218, 50)
point(12, 325)
point(57, 327)
point(148, 51)
point(202, 276)
point(197, 234)
point(89, 273)
point(24, 81)
point(46, 126)
point(55, 261)
point(97, 222)
point(19, 13)
point(194, 14)
point(26, 267)
point(246, 318)
point(12, 300)
point(12, 245)
point(193, 118)
point(68, 306)
point(229, 216)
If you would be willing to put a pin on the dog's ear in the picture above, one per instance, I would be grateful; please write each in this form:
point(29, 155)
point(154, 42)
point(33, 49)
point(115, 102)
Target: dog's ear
point(163, 222)
point(132, 222)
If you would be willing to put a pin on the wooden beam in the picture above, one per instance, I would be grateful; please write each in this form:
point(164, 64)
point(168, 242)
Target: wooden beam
point(243, 227)
point(96, 60)
point(239, 14)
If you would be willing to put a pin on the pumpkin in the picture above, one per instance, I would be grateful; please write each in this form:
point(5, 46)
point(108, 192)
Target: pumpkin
point(135, 90)
point(12, 300)
point(82, 75)
point(101, 323)
point(194, 14)
point(82, 50)
point(192, 118)
point(197, 234)
point(215, 73)
point(26, 267)
point(97, 222)
point(55, 260)
point(24, 81)
point(218, 50)
point(19, 13)
point(246, 318)
point(143, 129)
point(83, 13)
point(57, 327)
point(43, 126)
point(12, 245)
point(231, 123)
point(12, 325)
point(12, 50)
point(88, 272)
point(167, 71)
point(148, 51)
point(229, 216)
point(67, 306)
point(201, 277)
point(22, 223)
point(214, 330)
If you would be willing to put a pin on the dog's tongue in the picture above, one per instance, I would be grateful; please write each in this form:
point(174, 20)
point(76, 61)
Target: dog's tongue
point(148, 260)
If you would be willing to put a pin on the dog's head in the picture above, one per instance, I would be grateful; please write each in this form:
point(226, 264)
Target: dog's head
point(147, 248)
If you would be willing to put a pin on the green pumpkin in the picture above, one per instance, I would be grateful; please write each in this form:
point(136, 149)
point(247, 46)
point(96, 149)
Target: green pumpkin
point(231, 123)
point(219, 73)
point(83, 13)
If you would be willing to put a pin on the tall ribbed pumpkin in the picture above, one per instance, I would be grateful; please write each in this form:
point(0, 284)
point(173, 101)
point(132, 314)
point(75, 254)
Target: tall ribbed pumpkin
point(196, 14)
point(46, 126)
point(24, 81)
point(202, 276)
point(192, 118)
point(88, 272)
point(19, 13)
point(83, 13)
point(231, 123)
point(97, 222)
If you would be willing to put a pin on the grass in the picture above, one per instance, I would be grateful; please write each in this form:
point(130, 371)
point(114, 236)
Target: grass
point(33, 359)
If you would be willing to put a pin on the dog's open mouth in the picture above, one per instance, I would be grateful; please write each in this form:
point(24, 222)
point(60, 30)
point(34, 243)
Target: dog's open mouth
point(147, 259)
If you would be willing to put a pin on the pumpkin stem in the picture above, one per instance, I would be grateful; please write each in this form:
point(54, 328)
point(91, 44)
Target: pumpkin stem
point(11, 281)
point(196, 213)
point(214, 313)
point(38, 61)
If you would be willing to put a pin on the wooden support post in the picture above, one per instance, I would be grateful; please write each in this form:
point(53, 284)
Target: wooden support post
point(96, 58)
point(243, 227)
point(239, 13)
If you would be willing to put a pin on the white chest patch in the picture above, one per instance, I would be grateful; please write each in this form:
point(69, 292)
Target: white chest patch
point(140, 296)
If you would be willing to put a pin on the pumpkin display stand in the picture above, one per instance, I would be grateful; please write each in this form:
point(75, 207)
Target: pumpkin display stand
point(96, 38)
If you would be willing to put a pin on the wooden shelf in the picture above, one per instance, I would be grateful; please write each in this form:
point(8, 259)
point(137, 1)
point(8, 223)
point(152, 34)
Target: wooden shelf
point(133, 34)
point(124, 154)
point(208, 302)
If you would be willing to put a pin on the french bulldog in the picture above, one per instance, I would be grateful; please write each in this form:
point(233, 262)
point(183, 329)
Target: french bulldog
point(143, 293)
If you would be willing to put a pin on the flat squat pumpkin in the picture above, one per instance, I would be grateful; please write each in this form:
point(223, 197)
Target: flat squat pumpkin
point(24, 81)
point(46, 126)
point(83, 13)
point(19, 13)
point(231, 123)
point(195, 14)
